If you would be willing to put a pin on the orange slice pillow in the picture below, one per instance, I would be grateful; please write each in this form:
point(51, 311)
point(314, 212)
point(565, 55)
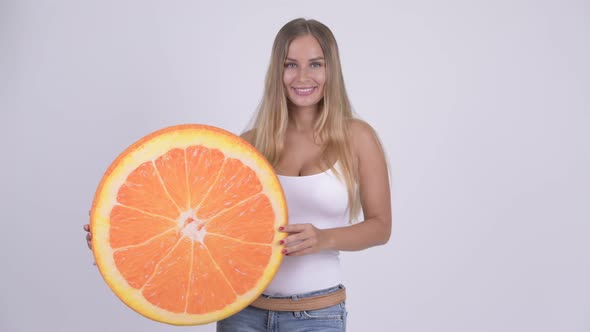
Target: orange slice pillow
point(185, 225)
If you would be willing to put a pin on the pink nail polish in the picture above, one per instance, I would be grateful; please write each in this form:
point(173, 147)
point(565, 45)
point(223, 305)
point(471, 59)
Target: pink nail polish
point(284, 251)
point(281, 228)
point(281, 242)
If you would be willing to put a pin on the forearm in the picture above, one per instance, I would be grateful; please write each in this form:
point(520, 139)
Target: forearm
point(368, 233)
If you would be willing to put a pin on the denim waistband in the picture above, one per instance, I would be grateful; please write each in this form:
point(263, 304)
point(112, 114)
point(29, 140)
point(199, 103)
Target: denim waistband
point(308, 294)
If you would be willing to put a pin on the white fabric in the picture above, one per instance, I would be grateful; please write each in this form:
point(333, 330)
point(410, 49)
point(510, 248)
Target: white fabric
point(322, 200)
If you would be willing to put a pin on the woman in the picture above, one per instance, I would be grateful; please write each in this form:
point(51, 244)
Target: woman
point(330, 166)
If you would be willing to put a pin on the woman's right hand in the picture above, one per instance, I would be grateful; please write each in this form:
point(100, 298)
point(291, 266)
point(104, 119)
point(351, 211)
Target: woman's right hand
point(88, 236)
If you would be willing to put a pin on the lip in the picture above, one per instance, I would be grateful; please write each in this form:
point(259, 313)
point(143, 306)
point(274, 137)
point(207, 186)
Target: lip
point(304, 91)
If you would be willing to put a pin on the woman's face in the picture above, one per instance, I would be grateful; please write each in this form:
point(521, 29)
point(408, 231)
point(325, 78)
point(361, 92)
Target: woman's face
point(305, 72)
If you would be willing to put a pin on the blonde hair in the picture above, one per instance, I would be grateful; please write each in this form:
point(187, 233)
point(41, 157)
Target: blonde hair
point(332, 125)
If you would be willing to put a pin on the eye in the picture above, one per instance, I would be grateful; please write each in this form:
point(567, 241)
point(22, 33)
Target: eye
point(315, 64)
point(290, 65)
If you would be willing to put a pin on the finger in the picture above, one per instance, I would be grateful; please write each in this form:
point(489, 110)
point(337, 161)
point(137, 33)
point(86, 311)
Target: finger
point(293, 246)
point(294, 238)
point(301, 252)
point(293, 228)
point(87, 227)
point(299, 246)
point(88, 237)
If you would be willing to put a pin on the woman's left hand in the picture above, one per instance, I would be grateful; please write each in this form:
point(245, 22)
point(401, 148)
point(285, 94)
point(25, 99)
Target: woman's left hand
point(303, 239)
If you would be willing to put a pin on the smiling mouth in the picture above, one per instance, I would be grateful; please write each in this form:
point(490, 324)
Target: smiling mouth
point(304, 91)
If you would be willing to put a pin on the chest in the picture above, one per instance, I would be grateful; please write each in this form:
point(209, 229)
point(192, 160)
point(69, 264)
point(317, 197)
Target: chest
point(301, 157)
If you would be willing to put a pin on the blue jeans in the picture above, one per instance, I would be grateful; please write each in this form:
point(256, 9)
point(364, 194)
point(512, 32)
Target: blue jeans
point(251, 319)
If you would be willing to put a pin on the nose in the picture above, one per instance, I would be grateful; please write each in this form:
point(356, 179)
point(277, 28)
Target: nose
point(302, 73)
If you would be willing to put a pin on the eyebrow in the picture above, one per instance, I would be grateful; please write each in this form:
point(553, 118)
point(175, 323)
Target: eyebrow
point(310, 60)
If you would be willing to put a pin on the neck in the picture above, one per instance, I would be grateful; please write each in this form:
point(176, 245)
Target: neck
point(303, 118)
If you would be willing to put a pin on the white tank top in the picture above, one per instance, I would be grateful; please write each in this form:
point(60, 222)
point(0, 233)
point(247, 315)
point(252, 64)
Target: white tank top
point(322, 200)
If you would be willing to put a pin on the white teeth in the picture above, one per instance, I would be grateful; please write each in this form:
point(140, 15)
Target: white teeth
point(304, 90)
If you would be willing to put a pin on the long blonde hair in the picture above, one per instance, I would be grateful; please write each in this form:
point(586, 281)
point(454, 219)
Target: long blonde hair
point(332, 125)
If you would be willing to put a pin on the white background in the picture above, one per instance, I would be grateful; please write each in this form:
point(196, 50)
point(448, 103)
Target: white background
point(483, 108)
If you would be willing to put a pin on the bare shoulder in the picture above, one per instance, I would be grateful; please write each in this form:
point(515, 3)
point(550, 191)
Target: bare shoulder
point(360, 127)
point(363, 137)
point(248, 136)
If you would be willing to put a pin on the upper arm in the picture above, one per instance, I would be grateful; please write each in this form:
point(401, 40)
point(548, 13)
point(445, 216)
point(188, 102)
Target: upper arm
point(248, 136)
point(373, 174)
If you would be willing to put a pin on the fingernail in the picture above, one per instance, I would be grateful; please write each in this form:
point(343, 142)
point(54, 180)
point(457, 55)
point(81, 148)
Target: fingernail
point(281, 242)
point(284, 251)
point(281, 228)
